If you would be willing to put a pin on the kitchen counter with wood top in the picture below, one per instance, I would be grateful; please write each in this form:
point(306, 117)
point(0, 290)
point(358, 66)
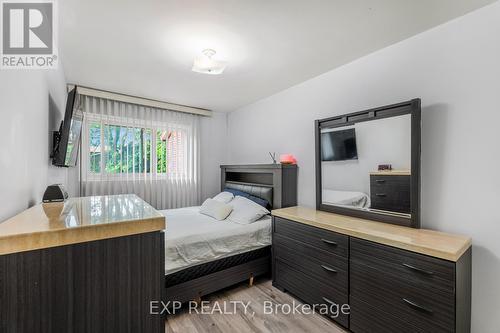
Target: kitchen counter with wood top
point(433, 243)
point(78, 220)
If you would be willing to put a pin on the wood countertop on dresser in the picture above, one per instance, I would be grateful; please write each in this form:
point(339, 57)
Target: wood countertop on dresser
point(78, 220)
point(433, 243)
point(391, 173)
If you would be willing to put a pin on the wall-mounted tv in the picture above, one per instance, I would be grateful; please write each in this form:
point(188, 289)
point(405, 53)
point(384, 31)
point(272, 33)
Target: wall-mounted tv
point(67, 139)
point(339, 145)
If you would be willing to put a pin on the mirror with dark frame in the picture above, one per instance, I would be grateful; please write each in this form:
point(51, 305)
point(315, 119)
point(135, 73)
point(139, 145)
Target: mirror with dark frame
point(368, 164)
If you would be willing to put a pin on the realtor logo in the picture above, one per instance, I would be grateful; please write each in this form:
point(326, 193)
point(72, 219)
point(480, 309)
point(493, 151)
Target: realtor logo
point(28, 35)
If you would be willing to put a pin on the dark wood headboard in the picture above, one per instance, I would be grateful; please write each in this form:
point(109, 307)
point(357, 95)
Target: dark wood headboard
point(281, 178)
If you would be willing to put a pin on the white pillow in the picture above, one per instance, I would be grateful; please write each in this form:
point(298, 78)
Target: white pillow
point(216, 209)
point(245, 211)
point(224, 197)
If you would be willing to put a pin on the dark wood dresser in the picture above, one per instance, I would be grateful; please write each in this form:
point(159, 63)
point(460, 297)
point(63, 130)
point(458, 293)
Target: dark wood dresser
point(92, 264)
point(390, 191)
point(394, 279)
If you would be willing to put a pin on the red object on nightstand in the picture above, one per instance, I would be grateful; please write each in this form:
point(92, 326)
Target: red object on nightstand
point(288, 159)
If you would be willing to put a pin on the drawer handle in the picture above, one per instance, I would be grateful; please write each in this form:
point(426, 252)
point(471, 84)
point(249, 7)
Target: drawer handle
point(416, 306)
point(420, 270)
point(329, 301)
point(380, 194)
point(380, 180)
point(326, 268)
point(329, 242)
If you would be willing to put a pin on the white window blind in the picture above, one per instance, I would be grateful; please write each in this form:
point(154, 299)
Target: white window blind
point(128, 148)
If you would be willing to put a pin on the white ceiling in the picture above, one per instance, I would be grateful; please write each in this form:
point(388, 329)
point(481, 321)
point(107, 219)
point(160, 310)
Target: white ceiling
point(146, 47)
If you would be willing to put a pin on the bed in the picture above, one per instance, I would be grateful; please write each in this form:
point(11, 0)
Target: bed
point(193, 238)
point(346, 198)
point(204, 255)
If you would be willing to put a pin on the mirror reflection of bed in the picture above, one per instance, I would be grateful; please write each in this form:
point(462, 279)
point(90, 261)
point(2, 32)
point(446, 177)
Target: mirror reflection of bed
point(351, 156)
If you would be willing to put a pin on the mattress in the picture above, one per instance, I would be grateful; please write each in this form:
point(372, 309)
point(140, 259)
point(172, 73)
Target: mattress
point(346, 198)
point(192, 238)
point(194, 272)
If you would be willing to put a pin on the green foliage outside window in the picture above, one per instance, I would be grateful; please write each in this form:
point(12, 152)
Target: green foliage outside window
point(95, 147)
point(161, 152)
point(125, 149)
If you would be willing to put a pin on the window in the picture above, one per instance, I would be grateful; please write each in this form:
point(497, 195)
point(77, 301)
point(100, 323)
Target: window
point(115, 149)
point(170, 148)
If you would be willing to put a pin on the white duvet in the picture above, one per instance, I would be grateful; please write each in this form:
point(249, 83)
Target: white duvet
point(346, 198)
point(192, 238)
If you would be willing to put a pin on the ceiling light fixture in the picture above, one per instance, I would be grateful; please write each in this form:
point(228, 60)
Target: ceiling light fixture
point(207, 65)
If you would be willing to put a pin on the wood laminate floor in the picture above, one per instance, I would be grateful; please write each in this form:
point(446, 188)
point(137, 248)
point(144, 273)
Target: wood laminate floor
point(253, 320)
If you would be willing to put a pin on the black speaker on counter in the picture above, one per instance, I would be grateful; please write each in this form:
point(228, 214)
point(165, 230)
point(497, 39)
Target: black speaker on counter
point(55, 193)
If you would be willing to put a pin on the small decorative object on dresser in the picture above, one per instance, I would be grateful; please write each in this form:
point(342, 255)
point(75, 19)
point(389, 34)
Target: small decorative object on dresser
point(273, 157)
point(393, 278)
point(55, 193)
point(384, 167)
point(288, 159)
point(53, 201)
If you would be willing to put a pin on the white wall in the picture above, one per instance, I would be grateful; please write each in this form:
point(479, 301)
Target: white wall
point(455, 69)
point(383, 141)
point(213, 152)
point(31, 106)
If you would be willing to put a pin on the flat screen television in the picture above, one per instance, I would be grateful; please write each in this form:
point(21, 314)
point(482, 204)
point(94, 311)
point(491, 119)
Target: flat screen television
point(339, 145)
point(67, 140)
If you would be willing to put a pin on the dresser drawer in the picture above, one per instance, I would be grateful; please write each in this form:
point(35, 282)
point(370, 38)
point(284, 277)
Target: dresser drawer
point(435, 273)
point(381, 181)
point(420, 305)
point(322, 239)
point(310, 290)
point(391, 201)
point(367, 319)
point(330, 269)
point(390, 193)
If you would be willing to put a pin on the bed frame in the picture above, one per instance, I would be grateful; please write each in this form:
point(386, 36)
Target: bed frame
point(277, 184)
